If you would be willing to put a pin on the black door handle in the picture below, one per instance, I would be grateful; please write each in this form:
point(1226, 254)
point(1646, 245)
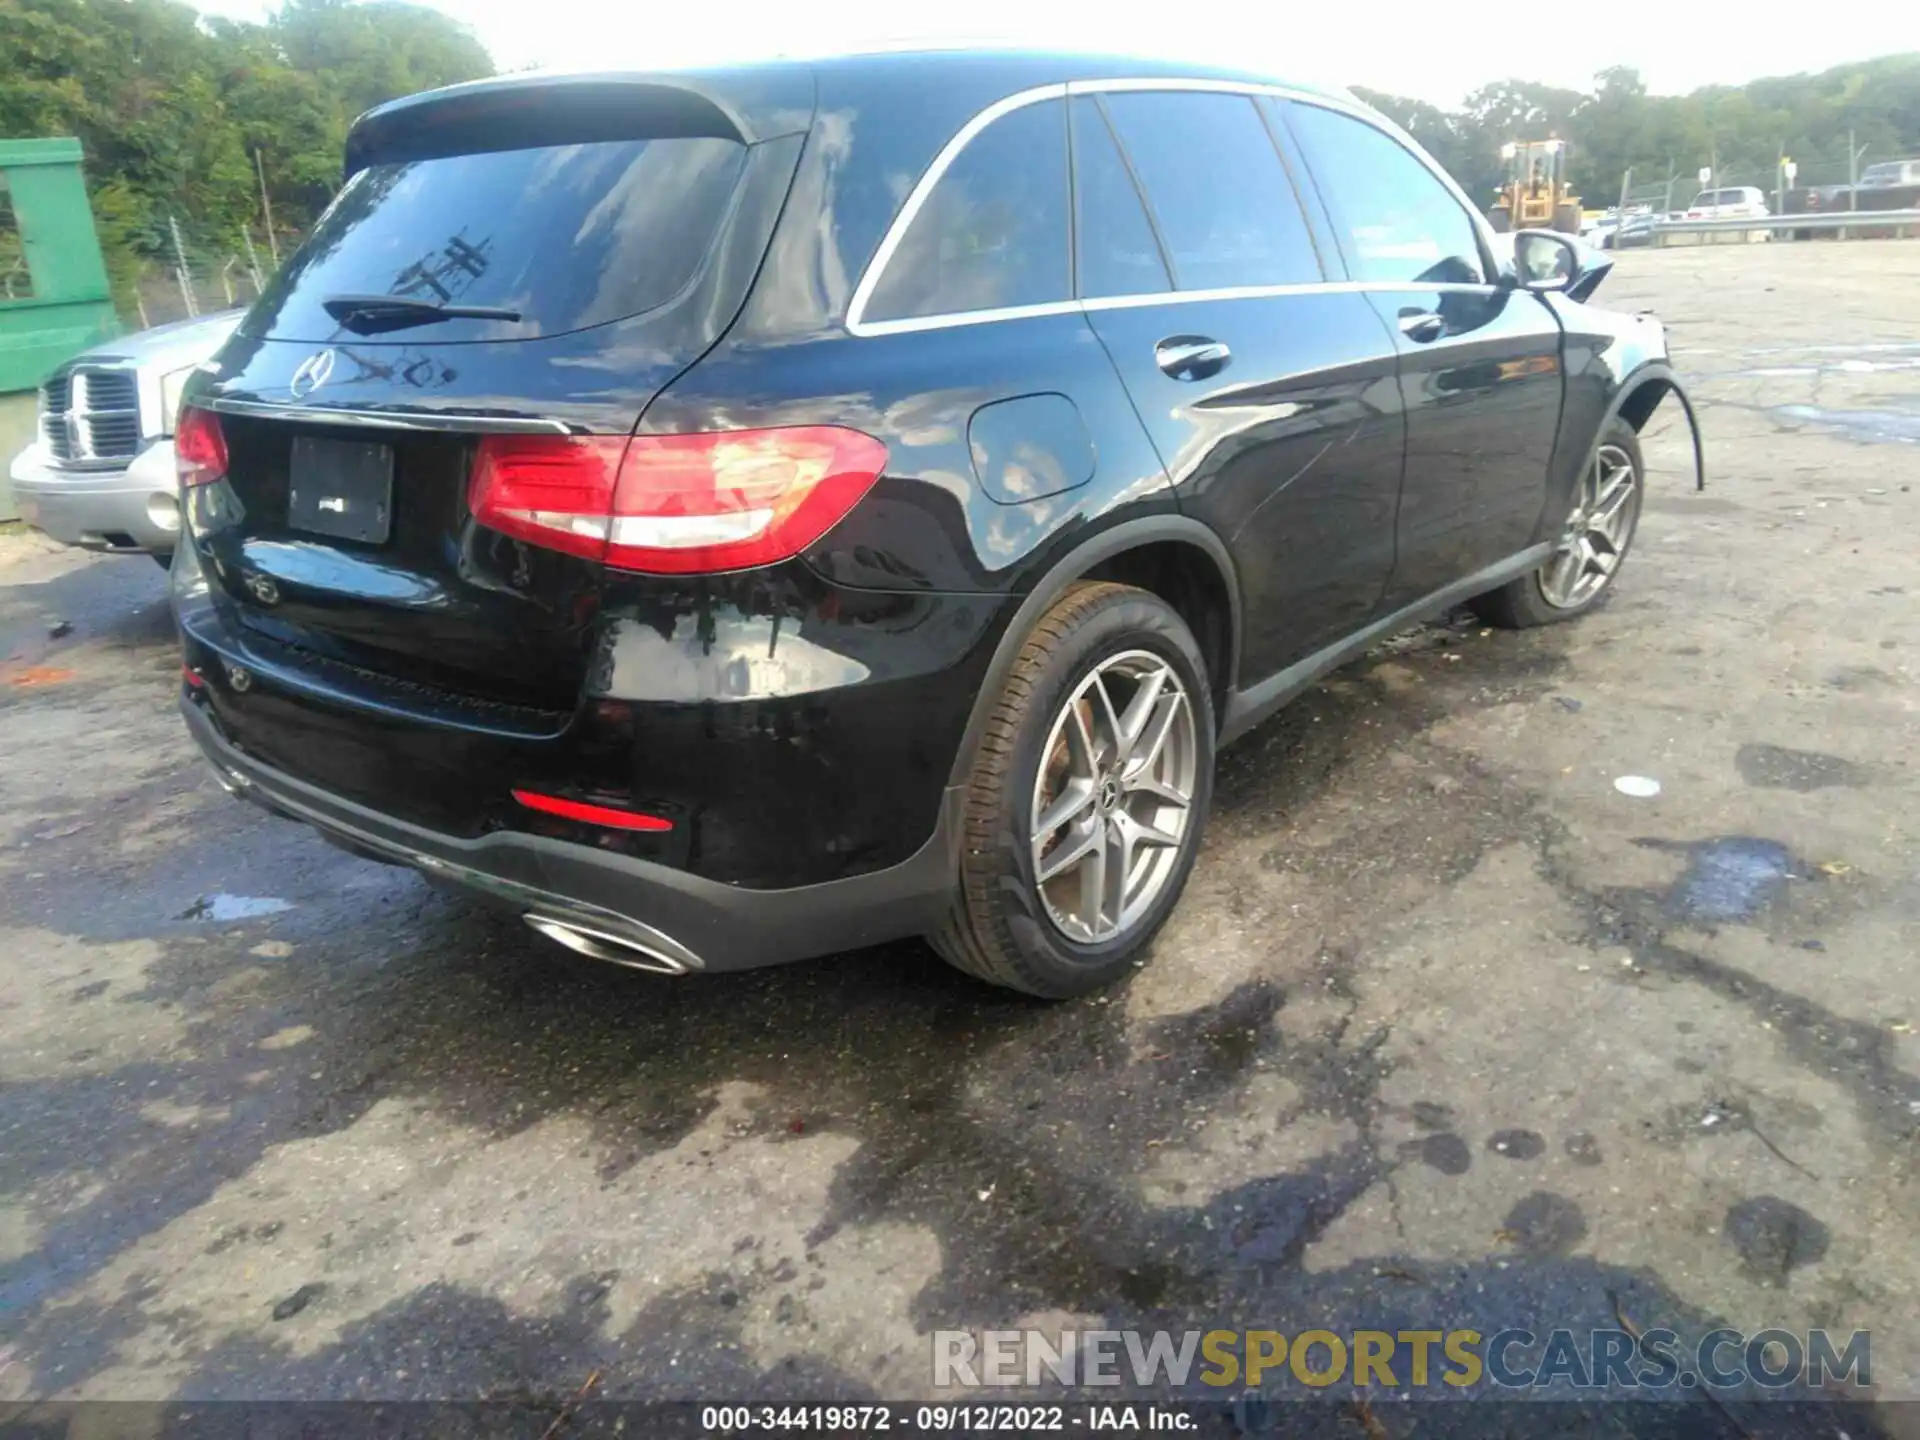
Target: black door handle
point(1191, 357)
point(1421, 326)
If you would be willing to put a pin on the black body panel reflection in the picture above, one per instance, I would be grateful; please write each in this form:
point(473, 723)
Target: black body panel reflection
point(1482, 401)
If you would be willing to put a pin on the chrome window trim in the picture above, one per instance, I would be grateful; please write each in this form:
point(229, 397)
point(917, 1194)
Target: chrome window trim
point(857, 324)
point(1262, 292)
point(1163, 297)
point(964, 317)
point(876, 267)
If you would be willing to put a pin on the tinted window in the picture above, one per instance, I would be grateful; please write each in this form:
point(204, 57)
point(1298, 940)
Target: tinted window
point(993, 231)
point(1396, 220)
point(1118, 254)
point(568, 235)
point(1219, 193)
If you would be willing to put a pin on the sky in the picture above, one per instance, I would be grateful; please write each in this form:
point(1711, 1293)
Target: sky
point(1400, 46)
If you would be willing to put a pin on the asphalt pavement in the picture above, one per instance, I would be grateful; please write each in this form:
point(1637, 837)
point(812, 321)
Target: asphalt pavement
point(1448, 1030)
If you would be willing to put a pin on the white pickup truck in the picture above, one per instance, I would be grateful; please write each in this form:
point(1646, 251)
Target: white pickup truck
point(100, 473)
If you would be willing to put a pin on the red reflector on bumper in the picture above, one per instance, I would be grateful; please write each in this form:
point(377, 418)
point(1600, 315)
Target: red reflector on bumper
point(194, 680)
point(590, 814)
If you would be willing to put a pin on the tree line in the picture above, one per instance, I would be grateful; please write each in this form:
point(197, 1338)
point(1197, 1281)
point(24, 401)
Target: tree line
point(1739, 130)
point(208, 122)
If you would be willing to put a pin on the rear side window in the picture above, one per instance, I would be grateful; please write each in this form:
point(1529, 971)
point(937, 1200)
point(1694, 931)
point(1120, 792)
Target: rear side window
point(1396, 221)
point(992, 233)
point(567, 235)
point(1118, 254)
point(1220, 196)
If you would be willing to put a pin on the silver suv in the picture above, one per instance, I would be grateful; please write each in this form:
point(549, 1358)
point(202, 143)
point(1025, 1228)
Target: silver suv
point(101, 472)
point(1889, 173)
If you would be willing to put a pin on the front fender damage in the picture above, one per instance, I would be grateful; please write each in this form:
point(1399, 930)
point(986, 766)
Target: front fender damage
point(1641, 396)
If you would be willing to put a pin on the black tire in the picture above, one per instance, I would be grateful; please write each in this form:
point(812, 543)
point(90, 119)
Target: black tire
point(999, 928)
point(1522, 603)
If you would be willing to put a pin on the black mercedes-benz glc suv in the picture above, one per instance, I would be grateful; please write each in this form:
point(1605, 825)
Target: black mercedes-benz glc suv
point(738, 515)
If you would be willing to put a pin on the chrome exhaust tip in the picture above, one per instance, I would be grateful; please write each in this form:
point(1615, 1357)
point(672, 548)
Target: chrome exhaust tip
point(604, 945)
point(231, 781)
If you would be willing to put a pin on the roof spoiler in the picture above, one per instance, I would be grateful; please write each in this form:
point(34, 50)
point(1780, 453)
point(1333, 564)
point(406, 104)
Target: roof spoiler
point(517, 112)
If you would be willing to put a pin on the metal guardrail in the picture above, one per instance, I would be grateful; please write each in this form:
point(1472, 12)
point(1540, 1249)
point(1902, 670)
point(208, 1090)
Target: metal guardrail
point(1813, 220)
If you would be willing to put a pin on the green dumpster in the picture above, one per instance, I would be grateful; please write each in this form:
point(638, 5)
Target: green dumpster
point(54, 297)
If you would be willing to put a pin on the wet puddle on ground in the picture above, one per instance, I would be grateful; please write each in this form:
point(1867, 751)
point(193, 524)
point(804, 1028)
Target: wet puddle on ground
point(222, 906)
point(1874, 426)
point(1731, 877)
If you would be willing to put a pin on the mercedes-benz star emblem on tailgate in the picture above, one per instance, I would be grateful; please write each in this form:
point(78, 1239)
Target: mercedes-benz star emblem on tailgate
point(314, 372)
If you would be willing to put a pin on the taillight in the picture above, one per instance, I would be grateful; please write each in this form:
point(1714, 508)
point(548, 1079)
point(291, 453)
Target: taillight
point(554, 491)
point(199, 449)
point(676, 504)
point(688, 503)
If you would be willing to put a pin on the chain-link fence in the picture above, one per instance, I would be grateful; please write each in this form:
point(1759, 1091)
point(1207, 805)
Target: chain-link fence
point(197, 273)
point(1675, 190)
point(1821, 186)
point(193, 274)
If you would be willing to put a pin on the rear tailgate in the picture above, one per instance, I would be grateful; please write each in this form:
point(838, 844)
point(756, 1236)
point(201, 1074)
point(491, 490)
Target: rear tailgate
point(437, 601)
point(600, 236)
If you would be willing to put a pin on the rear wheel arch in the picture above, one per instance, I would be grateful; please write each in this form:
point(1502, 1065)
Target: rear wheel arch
point(1192, 581)
point(1114, 817)
point(1169, 550)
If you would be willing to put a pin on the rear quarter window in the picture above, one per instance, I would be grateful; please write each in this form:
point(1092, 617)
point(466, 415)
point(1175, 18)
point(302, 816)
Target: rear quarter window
point(567, 235)
point(992, 233)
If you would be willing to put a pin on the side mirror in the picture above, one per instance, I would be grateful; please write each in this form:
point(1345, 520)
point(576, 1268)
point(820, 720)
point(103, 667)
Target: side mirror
point(1545, 260)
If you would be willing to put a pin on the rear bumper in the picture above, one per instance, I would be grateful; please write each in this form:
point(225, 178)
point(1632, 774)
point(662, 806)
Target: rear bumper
point(690, 921)
point(99, 509)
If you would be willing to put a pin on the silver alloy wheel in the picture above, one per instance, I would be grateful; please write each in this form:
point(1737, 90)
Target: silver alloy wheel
point(1596, 533)
point(1112, 801)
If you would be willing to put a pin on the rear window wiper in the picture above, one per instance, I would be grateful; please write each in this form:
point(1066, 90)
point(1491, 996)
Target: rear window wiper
point(373, 314)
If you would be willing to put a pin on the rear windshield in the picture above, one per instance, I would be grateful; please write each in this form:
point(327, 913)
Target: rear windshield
point(566, 235)
point(1721, 197)
point(1891, 171)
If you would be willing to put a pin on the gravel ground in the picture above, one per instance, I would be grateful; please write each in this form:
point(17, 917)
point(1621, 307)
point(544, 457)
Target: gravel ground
point(1447, 1031)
